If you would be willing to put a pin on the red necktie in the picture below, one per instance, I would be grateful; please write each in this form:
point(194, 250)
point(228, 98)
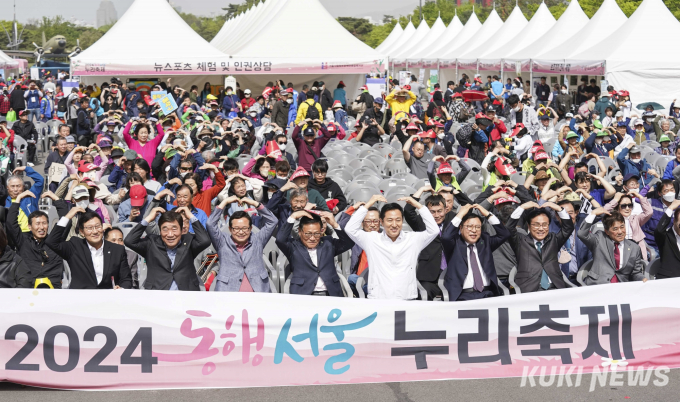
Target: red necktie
point(617, 260)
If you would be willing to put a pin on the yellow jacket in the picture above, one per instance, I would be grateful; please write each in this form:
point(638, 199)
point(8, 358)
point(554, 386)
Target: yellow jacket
point(302, 110)
point(397, 106)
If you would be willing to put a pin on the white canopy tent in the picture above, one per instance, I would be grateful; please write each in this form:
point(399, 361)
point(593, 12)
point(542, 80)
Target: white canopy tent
point(391, 38)
point(515, 24)
point(232, 38)
point(413, 53)
point(541, 23)
point(648, 69)
point(447, 59)
point(606, 20)
point(572, 20)
point(133, 47)
point(7, 62)
point(488, 31)
point(409, 31)
point(444, 41)
point(399, 53)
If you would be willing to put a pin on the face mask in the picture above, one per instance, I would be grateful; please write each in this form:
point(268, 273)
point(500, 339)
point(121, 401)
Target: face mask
point(564, 91)
point(282, 147)
point(516, 109)
point(640, 131)
point(669, 197)
point(636, 160)
point(229, 93)
point(598, 142)
point(289, 101)
point(633, 190)
point(253, 114)
point(183, 174)
point(83, 204)
point(440, 136)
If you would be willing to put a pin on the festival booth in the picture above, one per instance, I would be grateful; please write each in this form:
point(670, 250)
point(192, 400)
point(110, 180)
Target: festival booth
point(446, 55)
point(409, 31)
point(331, 54)
point(429, 55)
point(411, 57)
point(399, 54)
point(391, 38)
point(9, 65)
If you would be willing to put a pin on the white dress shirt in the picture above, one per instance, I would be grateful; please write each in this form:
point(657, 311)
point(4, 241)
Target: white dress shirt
point(97, 254)
point(470, 279)
point(591, 218)
point(320, 286)
point(669, 212)
point(392, 263)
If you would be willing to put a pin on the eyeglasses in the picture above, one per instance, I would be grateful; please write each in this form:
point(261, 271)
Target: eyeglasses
point(240, 230)
point(372, 221)
point(625, 206)
point(311, 235)
point(473, 228)
point(91, 229)
point(283, 143)
point(540, 226)
point(185, 169)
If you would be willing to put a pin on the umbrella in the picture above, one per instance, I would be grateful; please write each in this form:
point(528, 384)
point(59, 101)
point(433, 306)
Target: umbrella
point(472, 95)
point(643, 106)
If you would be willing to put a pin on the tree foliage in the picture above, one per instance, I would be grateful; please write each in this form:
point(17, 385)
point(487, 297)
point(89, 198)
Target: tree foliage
point(207, 27)
point(52, 26)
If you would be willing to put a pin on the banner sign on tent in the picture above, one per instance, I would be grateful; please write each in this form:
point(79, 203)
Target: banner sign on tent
point(490, 65)
point(569, 67)
point(467, 65)
point(429, 64)
point(167, 104)
point(127, 339)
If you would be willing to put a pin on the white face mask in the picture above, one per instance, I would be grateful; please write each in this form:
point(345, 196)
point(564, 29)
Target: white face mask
point(564, 91)
point(253, 114)
point(598, 142)
point(516, 109)
point(669, 197)
point(633, 190)
point(229, 93)
point(83, 204)
point(282, 147)
point(637, 160)
point(440, 136)
point(289, 101)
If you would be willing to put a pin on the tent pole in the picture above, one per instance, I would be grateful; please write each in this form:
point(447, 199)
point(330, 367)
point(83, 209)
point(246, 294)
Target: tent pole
point(439, 77)
point(531, 76)
point(456, 70)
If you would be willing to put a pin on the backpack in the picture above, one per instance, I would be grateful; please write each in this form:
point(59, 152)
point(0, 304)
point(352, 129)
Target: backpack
point(437, 112)
point(62, 106)
point(313, 112)
point(464, 135)
point(560, 106)
point(417, 109)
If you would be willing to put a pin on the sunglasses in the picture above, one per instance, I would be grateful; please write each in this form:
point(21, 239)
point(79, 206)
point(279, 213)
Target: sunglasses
point(626, 206)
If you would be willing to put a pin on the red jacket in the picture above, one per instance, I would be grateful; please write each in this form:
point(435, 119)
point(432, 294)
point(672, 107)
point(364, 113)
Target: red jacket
point(496, 132)
point(247, 103)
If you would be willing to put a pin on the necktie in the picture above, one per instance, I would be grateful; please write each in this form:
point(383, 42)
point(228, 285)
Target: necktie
point(443, 263)
point(476, 273)
point(617, 260)
point(545, 282)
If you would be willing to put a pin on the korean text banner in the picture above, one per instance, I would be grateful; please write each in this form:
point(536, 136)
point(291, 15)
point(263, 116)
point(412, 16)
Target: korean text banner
point(153, 339)
point(570, 67)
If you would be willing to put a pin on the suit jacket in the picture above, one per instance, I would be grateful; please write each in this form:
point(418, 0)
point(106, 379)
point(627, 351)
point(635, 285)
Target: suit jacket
point(430, 259)
point(457, 269)
point(603, 268)
point(304, 273)
point(77, 253)
point(583, 255)
point(530, 264)
point(668, 247)
point(159, 273)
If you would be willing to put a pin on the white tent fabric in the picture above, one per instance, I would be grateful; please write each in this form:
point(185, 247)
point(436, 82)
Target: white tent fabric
point(606, 20)
point(572, 20)
point(331, 50)
point(414, 53)
point(515, 23)
point(391, 38)
point(444, 41)
point(539, 25)
point(488, 31)
point(399, 53)
point(230, 39)
point(451, 50)
point(132, 46)
point(409, 31)
point(647, 68)
point(7, 62)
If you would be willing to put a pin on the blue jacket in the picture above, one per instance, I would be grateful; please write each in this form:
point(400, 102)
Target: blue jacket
point(46, 107)
point(125, 207)
point(583, 254)
point(341, 118)
point(229, 103)
point(198, 213)
point(627, 166)
point(658, 209)
point(600, 150)
point(668, 173)
point(117, 178)
point(29, 204)
point(32, 99)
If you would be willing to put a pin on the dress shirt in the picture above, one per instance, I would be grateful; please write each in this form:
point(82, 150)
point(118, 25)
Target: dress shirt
point(469, 279)
point(320, 286)
point(393, 263)
point(591, 218)
point(97, 254)
point(669, 212)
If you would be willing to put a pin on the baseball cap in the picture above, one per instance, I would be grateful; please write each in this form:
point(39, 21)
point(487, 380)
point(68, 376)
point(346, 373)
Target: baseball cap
point(445, 168)
point(634, 150)
point(504, 167)
point(541, 154)
point(70, 139)
point(309, 131)
point(619, 114)
point(337, 104)
point(639, 122)
point(597, 124)
point(104, 143)
point(84, 166)
point(247, 91)
point(130, 154)
point(503, 200)
point(412, 126)
point(331, 127)
point(630, 176)
point(664, 138)
point(602, 133)
point(544, 117)
point(111, 123)
point(621, 124)
point(137, 195)
point(80, 192)
point(428, 134)
point(116, 153)
point(490, 108)
point(379, 101)
point(299, 172)
point(23, 112)
point(569, 115)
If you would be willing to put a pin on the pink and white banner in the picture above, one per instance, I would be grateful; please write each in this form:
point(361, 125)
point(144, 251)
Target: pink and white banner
point(568, 67)
point(130, 339)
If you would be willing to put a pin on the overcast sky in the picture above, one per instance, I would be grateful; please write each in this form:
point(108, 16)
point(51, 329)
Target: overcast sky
point(86, 9)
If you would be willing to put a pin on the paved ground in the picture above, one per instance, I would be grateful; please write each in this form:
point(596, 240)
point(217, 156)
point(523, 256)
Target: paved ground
point(435, 391)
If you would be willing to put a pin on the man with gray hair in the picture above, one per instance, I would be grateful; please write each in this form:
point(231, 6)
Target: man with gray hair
point(15, 186)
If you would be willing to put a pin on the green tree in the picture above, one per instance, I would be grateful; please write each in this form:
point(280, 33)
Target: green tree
point(206, 27)
point(379, 33)
point(359, 27)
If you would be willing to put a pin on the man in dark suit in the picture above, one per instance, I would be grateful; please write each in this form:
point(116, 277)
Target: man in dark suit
point(170, 255)
point(615, 259)
point(471, 273)
point(667, 241)
point(537, 264)
point(433, 258)
point(575, 248)
point(312, 256)
point(94, 263)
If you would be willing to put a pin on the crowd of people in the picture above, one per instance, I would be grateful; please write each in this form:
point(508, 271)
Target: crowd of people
point(518, 189)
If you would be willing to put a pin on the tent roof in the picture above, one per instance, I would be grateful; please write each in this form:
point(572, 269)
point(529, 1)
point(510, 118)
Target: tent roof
point(332, 43)
point(403, 38)
point(488, 31)
point(393, 36)
point(572, 20)
point(652, 19)
point(606, 20)
point(540, 23)
point(122, 46)
point(449, 51)
point(253, 21)
point(516, 22)
point(415, 40)
point(442, 43)
point(6, 61)
point(416, 51)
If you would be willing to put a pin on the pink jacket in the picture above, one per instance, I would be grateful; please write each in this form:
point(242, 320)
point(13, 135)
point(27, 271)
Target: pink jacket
point(247, 170)
point(636, 222)
point(148, 150)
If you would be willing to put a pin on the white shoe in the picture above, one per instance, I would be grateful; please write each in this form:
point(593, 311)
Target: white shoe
point(30, 164)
